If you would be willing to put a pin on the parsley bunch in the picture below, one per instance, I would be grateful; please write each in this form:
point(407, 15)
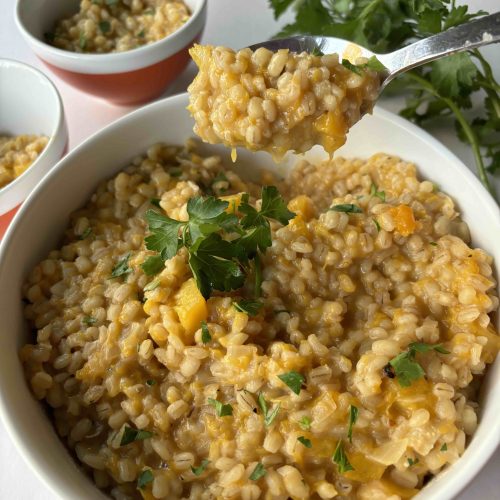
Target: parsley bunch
point(223, 248)
point(441, 89)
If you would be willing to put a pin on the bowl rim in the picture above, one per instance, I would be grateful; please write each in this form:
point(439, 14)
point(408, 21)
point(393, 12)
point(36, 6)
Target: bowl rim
point(484, 448)
point(56, 131)
point(115, 62)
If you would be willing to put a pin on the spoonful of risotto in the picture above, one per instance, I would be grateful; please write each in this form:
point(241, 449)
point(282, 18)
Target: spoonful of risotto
point(294, 93)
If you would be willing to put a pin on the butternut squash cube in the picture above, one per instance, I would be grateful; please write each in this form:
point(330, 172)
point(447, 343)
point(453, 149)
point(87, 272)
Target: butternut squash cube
point(191, 307)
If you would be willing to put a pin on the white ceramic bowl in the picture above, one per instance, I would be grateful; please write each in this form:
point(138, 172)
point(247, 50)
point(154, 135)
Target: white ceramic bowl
point(30, 104)
point(131, 77)
point(44, 216)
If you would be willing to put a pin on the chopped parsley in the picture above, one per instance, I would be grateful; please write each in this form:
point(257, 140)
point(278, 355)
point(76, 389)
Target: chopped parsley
point(141, 34)
point(221, 177)
point(373, 64)
point(375, 192)
point(155, 202)
point(89, 320)
point(150, 382)
point(353, 416)
point(347, 208)
point(306, 442)
point(82, 42)
point(104, 26)
point(269, 416)
point(121, 268)
point(153, 265)
point(175, 172)
point(340, 458)
point(205, 333)
point(250, 307)
point(258, 472)
point(145, 477)
point(444, 447)
point(412, 461)
point(305, 423)
point(218, 259)
point(377, 225)
point(85, 234)
point(111, 2)
point(198, 471)
point(130, 435)
point(433, 243)
point(406, 368)
point(152, 285)
point(293, 380)
point(222, 410)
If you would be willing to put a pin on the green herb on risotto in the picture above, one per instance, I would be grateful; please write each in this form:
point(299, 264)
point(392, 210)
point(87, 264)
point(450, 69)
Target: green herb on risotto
point(269, 416)
point(347, 208)
point(130, 435)
point(306, 442)
point(250, 307)
point(353, 416)
point(85, 234)
point(121, 268)
point(222, 410)
point(145, 477)
point(293, 380)
point(375, 192)
point(205, 333)
point(198, 471)
point(305, 423)
point(340, 458)
point(89, 320)
point(258, 472)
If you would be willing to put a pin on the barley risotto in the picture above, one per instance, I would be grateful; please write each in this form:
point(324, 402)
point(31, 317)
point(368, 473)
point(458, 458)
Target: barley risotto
point(279, 101)
point(17, 153)
point(347, 365)
point(118, 25)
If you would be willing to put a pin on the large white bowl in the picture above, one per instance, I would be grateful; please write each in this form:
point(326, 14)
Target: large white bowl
point(39, 225)
point(30, 104)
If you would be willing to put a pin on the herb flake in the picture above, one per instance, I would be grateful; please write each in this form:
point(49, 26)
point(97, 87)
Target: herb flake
point(269, 416)
point(340, 458)
point(205, 333)
point(198, 471)
point(222, 410)
point(306, 442)
point(130, 435)
point(353, 417)
point(121, 268)
point(293, 380)
point(258, 472)
point(250, 307)
point(145, 477)
point(347, 208)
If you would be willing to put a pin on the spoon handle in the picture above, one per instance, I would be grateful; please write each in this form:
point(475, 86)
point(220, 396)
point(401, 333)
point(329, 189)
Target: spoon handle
point(467, 36)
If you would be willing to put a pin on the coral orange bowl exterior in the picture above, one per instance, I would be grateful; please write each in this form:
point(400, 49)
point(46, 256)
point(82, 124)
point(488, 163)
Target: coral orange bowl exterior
point(130, 87)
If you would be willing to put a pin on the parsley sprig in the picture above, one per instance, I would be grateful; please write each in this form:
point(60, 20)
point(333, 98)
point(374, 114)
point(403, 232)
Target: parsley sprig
point(222, 247)
point(442, 89)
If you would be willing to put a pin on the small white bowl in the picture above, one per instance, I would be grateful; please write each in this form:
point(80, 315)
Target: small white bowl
point(30, 104)
point(43, 218)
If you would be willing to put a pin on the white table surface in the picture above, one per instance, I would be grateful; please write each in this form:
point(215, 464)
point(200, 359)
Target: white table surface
point(86, 115)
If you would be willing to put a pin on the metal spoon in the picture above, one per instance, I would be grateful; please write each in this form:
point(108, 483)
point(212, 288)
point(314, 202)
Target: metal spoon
point(467, 36)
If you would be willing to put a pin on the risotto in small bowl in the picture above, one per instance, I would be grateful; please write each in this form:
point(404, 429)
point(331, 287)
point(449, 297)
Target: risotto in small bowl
point(193, 328)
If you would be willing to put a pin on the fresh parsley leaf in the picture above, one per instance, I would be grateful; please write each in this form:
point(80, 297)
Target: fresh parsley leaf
point(153, 265)
point(110, 2)
point(433, 243)
point(85, 234)
point(293, 380)
point(269, 416)
point(375, 65)
point(164, 234)
point(411, 461)
point(198, 471)
point(145, 477)
point(150, 382)
point(121, 268)
point(406, 368)
point(353, 416)
point(348, 208)
point(306, 442)
point(377, 225)
point(258, 472)
point(250, 307)
point(444, 447)
point(89, 320)
point(130, 435)
point(141, 34)
point(82, 42)
point(257, 288)
point(351, 67)
point(222, 410)
point(152, 285)
point(305, 423)
point(155, 202)
point(104, 26)
point(205, 333)
point(340, 458)
point(375, 192)
point(218, 179)
point(175, 172)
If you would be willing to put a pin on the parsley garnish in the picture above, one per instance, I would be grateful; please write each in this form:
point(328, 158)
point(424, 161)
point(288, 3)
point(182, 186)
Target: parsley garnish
point(111, 2)
point(412, 462)
point(150, 382)
point(175, 172)
point(82, 42)
point(121, 268)
point(433, 243)
point(130, 435)
point(85, 234)
point(141, 34)
point(153, 265)
point(205, 333)
point(155, 202)
point(222, 410)
point(305, 423)
point(306, 442)
point(340, 458)
point(258, 472)
point(152, 285)
point(89, 320)
point(198, 471)
point(375, 192)
point(221, 177)
point(250, 307)
point(269, 416)
point(443, 89)
point(218, 259)
point(373, 64)
point(406, 368)
point(104, 26)
point(353, 416)
point(293, 380)
point(348, 208)
point(444, 447)
point(377, 225)
point(145, 477)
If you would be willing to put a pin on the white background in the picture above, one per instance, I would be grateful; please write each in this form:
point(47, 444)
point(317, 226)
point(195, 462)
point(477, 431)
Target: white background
point(235, 23)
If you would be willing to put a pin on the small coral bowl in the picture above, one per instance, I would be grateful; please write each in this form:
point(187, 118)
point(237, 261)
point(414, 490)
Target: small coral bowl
point(124, 78)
